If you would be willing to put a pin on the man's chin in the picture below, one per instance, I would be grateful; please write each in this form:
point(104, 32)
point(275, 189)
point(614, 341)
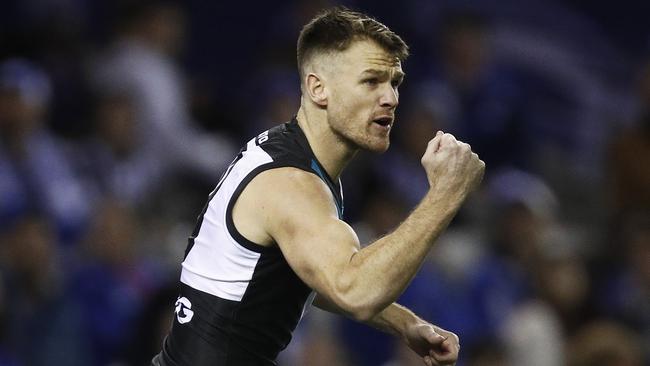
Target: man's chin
point(377, 147)
point(373, 144)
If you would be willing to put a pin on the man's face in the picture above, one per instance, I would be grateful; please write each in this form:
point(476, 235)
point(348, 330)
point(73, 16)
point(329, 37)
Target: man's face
point(362, 97)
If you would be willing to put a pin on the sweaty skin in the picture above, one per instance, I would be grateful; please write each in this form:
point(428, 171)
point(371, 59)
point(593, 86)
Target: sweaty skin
point(349, 100)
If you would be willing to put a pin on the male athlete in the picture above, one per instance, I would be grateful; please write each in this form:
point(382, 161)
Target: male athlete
point(271, 239)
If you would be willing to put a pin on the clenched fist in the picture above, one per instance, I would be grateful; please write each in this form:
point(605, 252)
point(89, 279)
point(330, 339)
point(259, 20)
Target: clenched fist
point(436, 346)
point(451, 166)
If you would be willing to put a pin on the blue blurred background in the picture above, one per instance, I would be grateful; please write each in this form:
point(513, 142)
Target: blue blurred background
point(118, 117)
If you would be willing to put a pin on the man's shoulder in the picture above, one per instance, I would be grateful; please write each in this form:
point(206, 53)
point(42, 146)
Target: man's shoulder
point(290, 190)
point(285, 144)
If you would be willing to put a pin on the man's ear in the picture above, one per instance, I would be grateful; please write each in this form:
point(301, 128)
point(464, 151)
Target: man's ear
point(316, 90)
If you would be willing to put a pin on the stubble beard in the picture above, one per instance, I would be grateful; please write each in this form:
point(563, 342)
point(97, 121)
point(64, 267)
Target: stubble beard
point(357, 140)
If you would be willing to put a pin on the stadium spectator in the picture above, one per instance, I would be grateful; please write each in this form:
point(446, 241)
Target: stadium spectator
point(605, 343)
point(141, 65)
point(36, 174)
point(479, 99)
point(42, 326)
point(112, 282)
point(628, 168)
point(114, 161)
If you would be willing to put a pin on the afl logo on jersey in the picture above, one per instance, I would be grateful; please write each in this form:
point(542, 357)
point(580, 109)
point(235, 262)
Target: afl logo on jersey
point(262, 137)
point(183, 310)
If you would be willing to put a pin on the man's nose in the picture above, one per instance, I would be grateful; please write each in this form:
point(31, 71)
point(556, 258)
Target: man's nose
point(389, 97)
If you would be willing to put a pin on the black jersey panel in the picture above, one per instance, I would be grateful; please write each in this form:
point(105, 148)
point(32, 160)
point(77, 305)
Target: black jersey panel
point(239, 301)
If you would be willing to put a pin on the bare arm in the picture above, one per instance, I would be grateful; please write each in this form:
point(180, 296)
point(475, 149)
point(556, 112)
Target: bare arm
point(298, 214)
point(392, 320)
point(435, 345)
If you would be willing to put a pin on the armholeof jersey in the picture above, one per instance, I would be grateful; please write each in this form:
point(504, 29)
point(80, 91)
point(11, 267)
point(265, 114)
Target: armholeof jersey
point(232, 229)
point(230, 223)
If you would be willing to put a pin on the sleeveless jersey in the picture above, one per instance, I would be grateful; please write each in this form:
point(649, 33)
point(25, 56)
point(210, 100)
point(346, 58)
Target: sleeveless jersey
point(239, 302)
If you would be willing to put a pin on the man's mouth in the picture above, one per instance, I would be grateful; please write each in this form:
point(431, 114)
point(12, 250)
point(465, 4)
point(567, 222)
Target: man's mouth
point(384, 121)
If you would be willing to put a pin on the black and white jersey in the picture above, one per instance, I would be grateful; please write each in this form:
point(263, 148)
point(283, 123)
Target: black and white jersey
point(239, 302)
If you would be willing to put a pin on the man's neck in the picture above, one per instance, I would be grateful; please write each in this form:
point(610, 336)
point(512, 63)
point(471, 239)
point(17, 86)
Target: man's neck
point(330, 149)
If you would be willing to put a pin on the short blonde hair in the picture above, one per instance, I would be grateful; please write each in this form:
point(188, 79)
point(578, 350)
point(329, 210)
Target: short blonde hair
point(336, 28)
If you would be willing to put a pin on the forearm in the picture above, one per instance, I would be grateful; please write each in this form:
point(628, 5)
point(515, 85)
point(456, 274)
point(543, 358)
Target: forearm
point(380, 272)
point(392, 320)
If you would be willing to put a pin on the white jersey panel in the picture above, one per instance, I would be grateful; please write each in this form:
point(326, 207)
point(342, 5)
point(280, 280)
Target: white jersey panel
point(217, 264)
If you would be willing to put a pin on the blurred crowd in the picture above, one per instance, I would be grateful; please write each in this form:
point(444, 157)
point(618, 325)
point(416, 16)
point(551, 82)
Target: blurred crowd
point(117, 119)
